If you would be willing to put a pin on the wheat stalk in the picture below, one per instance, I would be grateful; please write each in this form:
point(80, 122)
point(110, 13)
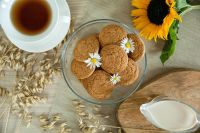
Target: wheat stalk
point(34, 73)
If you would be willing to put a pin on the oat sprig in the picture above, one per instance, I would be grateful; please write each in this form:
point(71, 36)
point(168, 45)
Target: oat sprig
point(4, 92)
point(89, 121)
point(34, 73)
point(54, 121)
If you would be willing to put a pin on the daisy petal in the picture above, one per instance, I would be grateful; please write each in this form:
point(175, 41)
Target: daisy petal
point(93, 61)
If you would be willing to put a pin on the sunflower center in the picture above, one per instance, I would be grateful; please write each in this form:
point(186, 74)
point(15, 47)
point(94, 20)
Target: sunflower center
point(128, 45)
point(157, 10)
point(94, 60)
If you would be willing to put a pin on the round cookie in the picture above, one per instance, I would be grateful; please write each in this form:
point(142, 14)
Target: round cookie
point(81, 70)
point(98, 85)
point(130, 74)
point(111, 34)
point(113, 59)
point(139, 51)
point(86, 46)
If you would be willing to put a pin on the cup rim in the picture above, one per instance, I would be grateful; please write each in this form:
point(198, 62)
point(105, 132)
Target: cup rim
point(31, 38)
point(40, 45)
point(63, 59)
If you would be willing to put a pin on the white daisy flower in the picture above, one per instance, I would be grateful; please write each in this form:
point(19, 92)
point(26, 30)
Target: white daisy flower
point(115, 79)
point(128, 45)
point(93, 61)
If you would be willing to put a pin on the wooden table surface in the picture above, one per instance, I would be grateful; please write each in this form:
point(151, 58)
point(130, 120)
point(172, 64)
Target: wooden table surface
point(187, 54)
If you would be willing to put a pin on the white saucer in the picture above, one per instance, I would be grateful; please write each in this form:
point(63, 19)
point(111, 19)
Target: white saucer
point(54, 37)
point(52, 41)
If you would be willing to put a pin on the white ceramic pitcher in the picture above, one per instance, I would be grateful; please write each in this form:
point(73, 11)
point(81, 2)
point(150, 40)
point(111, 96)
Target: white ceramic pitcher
point(144, 108)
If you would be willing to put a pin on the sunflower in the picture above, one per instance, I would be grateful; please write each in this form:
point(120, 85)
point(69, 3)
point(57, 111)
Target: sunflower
point(154, 17)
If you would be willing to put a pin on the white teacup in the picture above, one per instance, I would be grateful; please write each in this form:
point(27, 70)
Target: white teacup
point(46, 40)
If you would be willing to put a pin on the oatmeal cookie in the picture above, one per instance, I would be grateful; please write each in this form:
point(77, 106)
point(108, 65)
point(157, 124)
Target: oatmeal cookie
point(111, 34)
point(86, 46)
point(130, 74)
point(81, 70)
point(139, 48)
point(98, 85)
point(114, 59)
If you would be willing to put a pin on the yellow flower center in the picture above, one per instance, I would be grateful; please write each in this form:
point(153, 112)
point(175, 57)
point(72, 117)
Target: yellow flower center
point(94, 60)
point(115, 78)
point(128, 45)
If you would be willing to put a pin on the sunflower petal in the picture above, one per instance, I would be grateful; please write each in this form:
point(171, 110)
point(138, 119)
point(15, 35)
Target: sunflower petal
point(167, 22)
point(139, 12)
point(140, 22)
point(140, 3)
point(157, 33)
point(170, 3)
point(154, 33)
point(164, 30)
point(175, 15)
point(146, 31)
point(160, 33)
point(141, 19)
point(141, 25)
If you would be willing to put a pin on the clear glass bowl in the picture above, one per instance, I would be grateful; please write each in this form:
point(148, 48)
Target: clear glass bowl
point(120, 93)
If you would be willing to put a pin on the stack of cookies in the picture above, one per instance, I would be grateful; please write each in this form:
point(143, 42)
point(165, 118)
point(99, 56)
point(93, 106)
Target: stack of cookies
point(106, 60)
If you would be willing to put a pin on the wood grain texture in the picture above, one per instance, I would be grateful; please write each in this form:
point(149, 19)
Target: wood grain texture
point(183, 85)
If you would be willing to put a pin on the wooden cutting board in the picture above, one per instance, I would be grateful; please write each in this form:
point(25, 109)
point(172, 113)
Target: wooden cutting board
point(183, 85)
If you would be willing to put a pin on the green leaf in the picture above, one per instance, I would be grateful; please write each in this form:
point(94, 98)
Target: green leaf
point(170, 44)
point(181, 5)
